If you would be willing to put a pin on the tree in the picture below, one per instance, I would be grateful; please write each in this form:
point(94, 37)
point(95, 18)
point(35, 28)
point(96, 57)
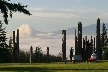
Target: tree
point(104, 42)
point(10, 48)
point(38, 54)
point(24, 57)
point(3, 38)
point(4, 51)
point(7, 6)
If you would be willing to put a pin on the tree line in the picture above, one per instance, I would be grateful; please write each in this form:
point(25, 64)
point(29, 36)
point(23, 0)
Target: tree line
point(38, 57)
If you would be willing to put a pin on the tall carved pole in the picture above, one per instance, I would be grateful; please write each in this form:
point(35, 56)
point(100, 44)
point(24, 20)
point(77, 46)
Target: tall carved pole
point(91, 46)
point(94, 45)
point(83, 49)
point(98, 49)
point(18, 43)
point(79, 37)
point(71, 54)
point(31, 54)
point(36, 57)
point(86, 48)
point(75, 43)
point(64, 45)
point(47, 54)
point(13, 44)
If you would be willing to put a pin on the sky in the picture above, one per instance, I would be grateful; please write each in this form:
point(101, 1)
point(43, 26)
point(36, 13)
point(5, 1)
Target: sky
point(53, 15)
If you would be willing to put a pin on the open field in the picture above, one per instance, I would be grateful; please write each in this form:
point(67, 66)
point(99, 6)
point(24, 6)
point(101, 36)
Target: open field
point(55, 67)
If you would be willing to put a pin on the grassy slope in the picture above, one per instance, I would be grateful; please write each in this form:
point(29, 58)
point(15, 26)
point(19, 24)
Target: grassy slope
point(57, 67)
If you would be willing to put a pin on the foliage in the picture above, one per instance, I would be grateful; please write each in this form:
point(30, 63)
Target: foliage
point(104, 41)
point(7, 6)
point(10, 43)
point(105, 55)
point(24, 56)
point(5, 56)
point(10, 48)
point(38, 55)
point(4, 51)
point(3, 38)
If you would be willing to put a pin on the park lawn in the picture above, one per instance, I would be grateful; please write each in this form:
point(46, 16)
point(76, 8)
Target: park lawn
point(55, 67)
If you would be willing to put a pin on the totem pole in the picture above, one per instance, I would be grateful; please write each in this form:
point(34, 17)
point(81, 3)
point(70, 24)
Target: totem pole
point(98, 48)
point(76, 43)
point(17, 40)
point(47, 54)
point(83, 51)
point(64, 45)
point(79, 38)
point(94, 50)
point(13, 45)
point(16, 47)
point(31, 54)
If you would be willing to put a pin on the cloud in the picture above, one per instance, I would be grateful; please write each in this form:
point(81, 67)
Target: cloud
point(26, 31)
point(54, 15)
point(104, 15)
point(79, 12)
point(38, 9)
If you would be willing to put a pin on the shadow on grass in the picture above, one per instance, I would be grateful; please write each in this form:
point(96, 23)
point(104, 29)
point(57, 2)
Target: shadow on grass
point(25, 69)
point(41, 69)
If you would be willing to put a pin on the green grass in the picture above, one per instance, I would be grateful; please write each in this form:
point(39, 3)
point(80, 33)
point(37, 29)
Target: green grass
point(55, 67)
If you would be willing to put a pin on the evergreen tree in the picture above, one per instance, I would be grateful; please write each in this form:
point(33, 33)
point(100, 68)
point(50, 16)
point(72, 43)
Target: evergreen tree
point(104, 41)
point(4, 51)
point(3, 38)
point(6, 6)
point(10, 43)
point(38, 55)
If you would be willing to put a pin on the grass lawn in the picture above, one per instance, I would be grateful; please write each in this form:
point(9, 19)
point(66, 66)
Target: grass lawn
point(55, 67)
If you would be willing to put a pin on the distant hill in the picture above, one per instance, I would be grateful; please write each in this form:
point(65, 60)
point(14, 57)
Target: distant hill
point(28, 31)
point(88, 30)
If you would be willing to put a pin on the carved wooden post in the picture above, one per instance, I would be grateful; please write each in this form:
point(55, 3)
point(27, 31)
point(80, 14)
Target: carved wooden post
point(94, 45)
point(64, 45)
point(86, 47)
point(91, 46)
point(18, 44)
point(15, 53)
point(13, 44)
point(47, 54)
point(76, 44)
point(71, 54)
point(36, 58)
point(98, 48)
point(31, 54)
point(79, 37)
point(83, 49)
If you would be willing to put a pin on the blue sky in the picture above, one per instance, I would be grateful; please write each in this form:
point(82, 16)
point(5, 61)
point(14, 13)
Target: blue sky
point(52, 15)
